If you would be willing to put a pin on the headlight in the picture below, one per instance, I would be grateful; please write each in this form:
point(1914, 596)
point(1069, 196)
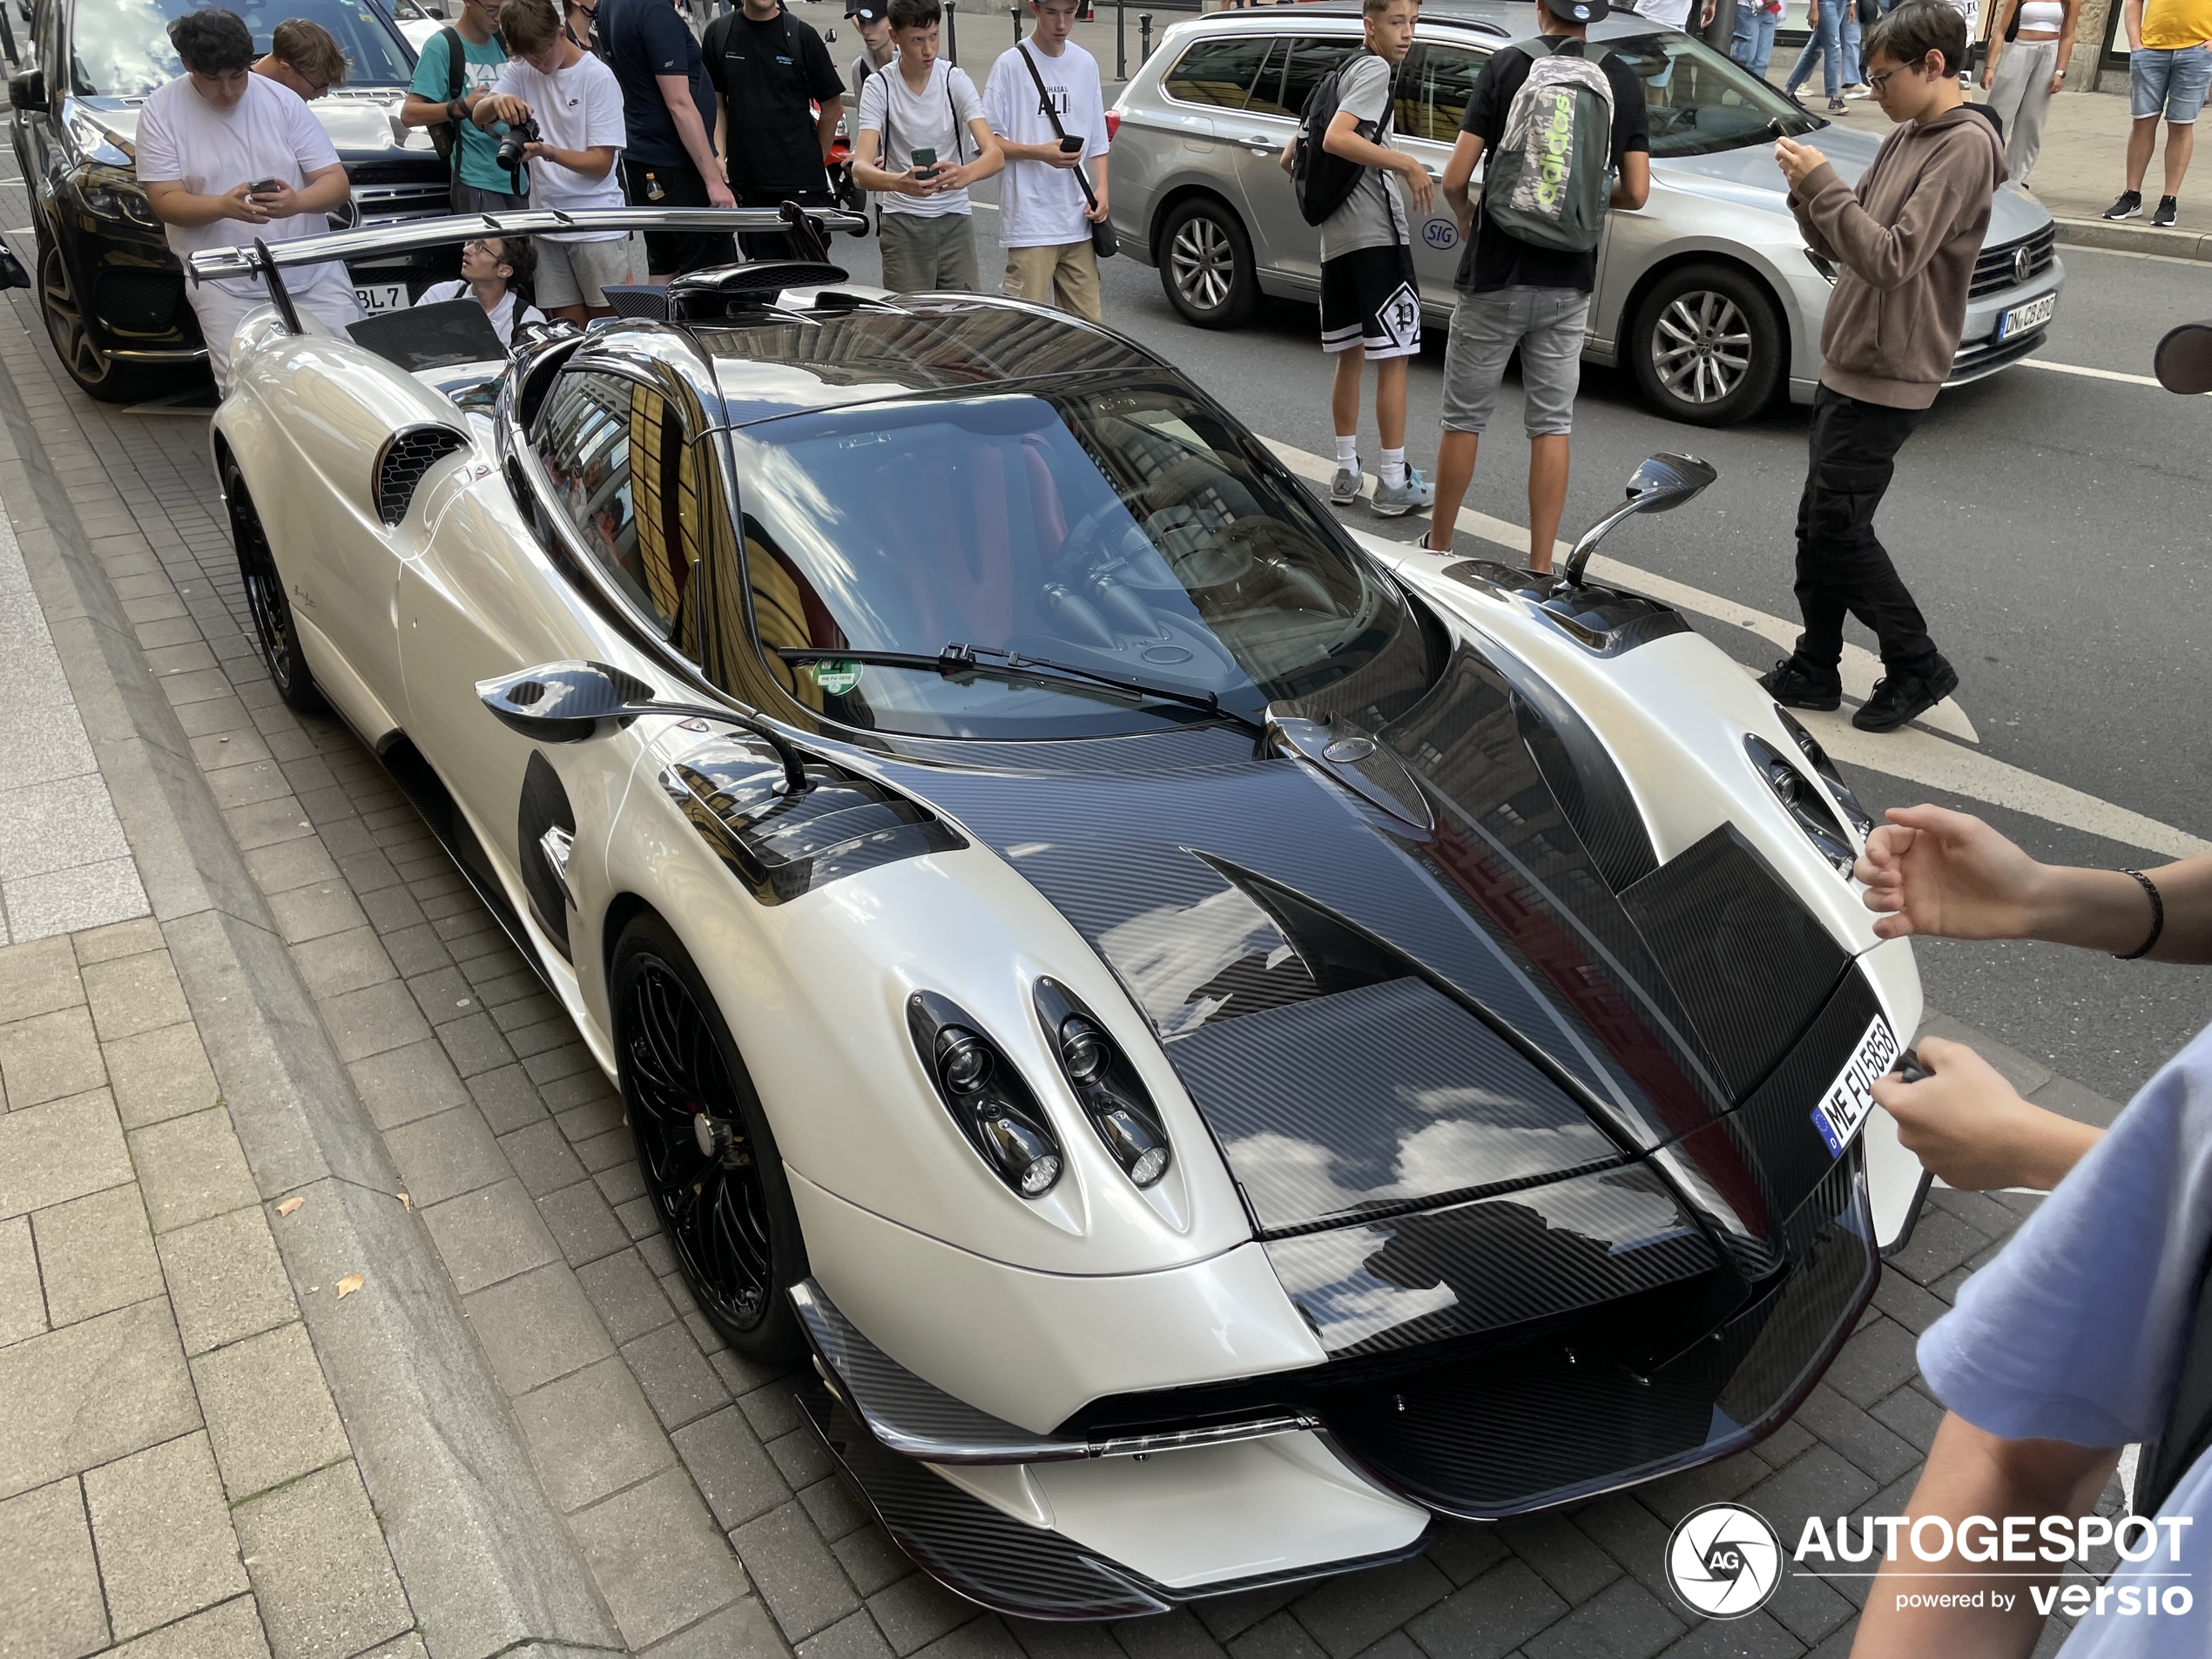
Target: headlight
point(1803, 801)
point(118, 201)
point(1106, 1086)
point(990, 1104)
point(1846, 798)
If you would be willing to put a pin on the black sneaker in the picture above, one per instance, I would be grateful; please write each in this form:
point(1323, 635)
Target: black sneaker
point(1899, 697)
point(1837, 106)
point(2130, 206)
point(1791, 684)
point(2169, 209)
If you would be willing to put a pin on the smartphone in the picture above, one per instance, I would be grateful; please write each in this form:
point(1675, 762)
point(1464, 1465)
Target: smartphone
point(1069, 145)
point(264, 186)
point(926, 162)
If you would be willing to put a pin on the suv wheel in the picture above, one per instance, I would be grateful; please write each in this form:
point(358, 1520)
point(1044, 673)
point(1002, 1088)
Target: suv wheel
point(1707, 347)
point(1206, 264)
point(90, 368)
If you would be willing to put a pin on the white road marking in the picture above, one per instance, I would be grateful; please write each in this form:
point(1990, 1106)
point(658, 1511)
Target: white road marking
point(2095, 374)
point(1861, 667)
point(1915, 756)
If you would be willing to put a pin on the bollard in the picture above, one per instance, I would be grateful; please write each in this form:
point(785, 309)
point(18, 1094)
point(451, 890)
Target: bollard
point(1143, 39)
point(1015, 13)
point(952, 35)
point(1121, 42)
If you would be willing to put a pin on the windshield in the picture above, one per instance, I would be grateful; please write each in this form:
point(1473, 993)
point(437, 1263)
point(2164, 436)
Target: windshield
point(121, 48)
point(1701, 102)
point(1118, 527)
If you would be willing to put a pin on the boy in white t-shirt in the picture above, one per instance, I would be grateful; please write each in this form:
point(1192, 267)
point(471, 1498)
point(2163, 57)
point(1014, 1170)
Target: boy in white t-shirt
point(577, 103)
point(1044, 219)
point(492, 267)
point(204, 141)
point(923, 112)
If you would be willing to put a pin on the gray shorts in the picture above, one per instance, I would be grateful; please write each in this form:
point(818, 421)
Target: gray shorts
point(930, 252)
point(572, 274)
point(1547, 325)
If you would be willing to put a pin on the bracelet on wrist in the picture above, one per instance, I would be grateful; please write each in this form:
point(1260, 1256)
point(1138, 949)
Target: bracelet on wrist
point(2157, 917)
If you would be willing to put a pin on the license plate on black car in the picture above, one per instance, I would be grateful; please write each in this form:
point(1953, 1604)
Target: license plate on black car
point(2034, 314)
point(1843, 1110)
point(380, 296)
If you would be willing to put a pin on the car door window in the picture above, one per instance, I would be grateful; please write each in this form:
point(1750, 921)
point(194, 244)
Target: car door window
point(1309, 60)
point(1218, 73)
point(1434, 91)
point(614, 451)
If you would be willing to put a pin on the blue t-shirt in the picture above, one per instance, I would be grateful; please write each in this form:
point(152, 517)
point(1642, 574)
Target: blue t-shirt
point(2076, 1333)
point(646, 39)
point(479, 150)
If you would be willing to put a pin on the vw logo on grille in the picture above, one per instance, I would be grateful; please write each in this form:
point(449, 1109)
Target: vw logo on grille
point(2023, 263)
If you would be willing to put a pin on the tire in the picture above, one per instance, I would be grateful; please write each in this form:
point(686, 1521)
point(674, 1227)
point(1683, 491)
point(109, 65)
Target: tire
point(94, 371)
point(1206, 264)
point(266, 600)
point(1707, 347)
point(727, 1214)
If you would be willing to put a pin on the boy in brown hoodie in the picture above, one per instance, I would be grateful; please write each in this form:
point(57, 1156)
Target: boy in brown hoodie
point(1905, 241)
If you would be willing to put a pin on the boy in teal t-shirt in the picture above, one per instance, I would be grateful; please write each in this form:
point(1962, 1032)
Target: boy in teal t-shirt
point(480, 183)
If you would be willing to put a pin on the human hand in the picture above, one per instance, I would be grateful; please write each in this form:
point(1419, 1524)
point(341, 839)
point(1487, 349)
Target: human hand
point(2057, 85)
point(1063, 158)
point(718, 194)
point(1970, 1127)
point(1097, 214)
point(1422, 187)
point(917, 181)
point(280, 203)
point(240, 203)
point(539, 152)
point(1934, 872)
point(1796, 160)
point(1705, 20)
point(499, 106)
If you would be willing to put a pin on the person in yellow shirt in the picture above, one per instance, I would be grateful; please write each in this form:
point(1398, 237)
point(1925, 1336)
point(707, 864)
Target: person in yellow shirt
point(2169, 69)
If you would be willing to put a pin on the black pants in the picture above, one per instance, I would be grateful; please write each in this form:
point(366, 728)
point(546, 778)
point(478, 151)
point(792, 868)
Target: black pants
point(1842, 566)
point(653, 184)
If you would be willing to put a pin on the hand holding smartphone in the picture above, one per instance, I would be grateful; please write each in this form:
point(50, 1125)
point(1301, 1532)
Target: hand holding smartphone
point(925, 164)
point(265, 186)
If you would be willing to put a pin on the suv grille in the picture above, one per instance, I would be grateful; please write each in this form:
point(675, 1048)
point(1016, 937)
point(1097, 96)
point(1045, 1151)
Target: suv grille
point(2002, 267)
point(407, 457)
point(139, 302)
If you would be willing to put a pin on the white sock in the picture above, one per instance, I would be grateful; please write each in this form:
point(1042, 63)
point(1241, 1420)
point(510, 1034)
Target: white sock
point(1348, 451)
point(1393, 472)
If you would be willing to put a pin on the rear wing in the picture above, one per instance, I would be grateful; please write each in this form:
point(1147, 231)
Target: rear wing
point(807, 227)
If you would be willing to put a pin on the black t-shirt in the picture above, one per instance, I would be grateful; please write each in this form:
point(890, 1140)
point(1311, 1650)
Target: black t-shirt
point(644, 40)
point(767, 74)
point(1496, 259)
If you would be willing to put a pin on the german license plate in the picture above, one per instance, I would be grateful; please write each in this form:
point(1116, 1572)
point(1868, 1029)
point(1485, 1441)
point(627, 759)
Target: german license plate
point(380, 296)
point(1843, 1110)
point(2034, 314)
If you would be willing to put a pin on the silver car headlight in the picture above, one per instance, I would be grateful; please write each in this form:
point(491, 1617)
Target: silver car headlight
point(990, 1104)
point(1805, 801)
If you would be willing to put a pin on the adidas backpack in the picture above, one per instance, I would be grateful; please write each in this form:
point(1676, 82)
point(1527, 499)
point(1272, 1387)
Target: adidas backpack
point(1549, 181)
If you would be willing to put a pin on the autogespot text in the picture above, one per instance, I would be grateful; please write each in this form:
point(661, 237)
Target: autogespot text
point(2049, 1540)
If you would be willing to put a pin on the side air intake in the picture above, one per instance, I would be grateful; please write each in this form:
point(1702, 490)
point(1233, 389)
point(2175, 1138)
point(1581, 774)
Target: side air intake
point(406, 458)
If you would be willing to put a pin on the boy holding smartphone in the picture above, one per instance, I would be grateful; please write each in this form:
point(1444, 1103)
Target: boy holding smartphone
point(1044, 219)
point(920, 112)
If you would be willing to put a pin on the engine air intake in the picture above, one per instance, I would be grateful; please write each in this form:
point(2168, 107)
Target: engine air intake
point(407, 457)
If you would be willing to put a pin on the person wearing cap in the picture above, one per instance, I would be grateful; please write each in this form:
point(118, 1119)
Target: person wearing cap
point(1514, 293)
point(872, 19)
point(781, 100)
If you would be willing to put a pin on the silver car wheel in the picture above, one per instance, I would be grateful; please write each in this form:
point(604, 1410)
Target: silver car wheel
point(1701, 347)
point(1204, 264)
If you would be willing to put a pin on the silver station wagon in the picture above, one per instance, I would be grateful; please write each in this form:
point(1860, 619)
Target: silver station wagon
point(1707, 294)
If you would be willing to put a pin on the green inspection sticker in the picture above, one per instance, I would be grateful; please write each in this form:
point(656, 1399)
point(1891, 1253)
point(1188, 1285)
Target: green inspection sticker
point(838, 675)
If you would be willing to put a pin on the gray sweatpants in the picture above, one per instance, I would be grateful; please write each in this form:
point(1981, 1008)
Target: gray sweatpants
point(2021, 98)
point(926, 253)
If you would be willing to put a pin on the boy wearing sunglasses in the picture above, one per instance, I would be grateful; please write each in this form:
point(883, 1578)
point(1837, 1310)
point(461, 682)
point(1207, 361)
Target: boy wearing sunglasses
point(1905, 241)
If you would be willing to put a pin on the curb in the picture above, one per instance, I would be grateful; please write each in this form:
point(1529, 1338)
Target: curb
point(2127, 237)
point(488, 1565)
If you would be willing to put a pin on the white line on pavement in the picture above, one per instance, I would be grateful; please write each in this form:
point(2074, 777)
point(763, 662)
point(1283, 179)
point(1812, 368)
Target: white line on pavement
point(1916, 756)
point(1861, 668)
point(2094, 374)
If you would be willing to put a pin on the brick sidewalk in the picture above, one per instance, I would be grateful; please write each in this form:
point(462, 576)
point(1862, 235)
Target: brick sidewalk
point(704, 1510)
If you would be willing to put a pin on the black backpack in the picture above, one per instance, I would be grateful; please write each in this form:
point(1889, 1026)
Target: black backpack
point(1321, 181)
point(445, 135)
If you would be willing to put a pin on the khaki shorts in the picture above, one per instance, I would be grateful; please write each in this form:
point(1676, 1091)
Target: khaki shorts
point(1066, 276)
point(572, 274)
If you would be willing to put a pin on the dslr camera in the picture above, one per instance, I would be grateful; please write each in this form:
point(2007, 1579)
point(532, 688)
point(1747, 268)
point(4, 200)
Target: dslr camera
point(518, 136)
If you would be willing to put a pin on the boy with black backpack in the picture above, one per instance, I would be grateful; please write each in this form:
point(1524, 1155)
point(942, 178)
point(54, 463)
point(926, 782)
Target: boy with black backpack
point(459, 65)
point(1567, 138)
point(1345, 175)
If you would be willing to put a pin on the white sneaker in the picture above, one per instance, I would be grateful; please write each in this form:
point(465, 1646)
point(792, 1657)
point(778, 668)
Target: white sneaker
point(1861, 91)
point(1344, 489)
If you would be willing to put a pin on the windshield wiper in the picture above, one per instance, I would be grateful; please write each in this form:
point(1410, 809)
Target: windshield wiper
point(961, 659)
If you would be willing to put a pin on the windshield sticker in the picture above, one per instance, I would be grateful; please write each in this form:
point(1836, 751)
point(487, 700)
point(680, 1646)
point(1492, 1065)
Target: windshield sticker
point(836, 676)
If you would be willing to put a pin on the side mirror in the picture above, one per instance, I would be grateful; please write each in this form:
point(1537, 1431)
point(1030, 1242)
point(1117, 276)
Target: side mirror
point(569, 702)
point(1660, 484)
point(2183, 361)
point(27, 91)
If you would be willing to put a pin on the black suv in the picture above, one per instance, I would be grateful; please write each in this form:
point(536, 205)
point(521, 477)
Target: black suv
point(113, 294)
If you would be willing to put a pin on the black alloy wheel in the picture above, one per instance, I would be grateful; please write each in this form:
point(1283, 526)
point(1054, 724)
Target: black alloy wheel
point(1707, 347)
point(703, 1146)
point(266, 598)
point(1206, 264)
point(100, 375)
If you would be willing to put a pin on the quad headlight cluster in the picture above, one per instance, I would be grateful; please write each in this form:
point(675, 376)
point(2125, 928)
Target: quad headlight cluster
point(1000, 1116)
point(1813, 807)
point(1861, 818)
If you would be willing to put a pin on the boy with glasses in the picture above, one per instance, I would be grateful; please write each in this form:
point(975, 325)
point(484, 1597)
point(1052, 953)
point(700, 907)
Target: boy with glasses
point(303, 56)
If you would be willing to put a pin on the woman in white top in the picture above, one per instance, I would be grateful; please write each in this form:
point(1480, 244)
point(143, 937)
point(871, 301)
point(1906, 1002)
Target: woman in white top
point(2025, 74)
point(491, 269)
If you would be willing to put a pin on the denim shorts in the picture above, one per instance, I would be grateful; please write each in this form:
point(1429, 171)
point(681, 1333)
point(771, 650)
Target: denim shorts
point(2168, 82)
point(1547, 325)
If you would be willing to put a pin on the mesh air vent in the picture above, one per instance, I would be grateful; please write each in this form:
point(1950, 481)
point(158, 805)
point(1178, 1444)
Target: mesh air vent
point(407, 457)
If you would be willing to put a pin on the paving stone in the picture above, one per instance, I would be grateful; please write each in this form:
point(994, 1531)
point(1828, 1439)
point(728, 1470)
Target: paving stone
point(225, 1279)
point(541, 1159)
point(835, 1512)
point(1821, 1483)
point(984, 1638)
point(134, 993)
point(1347, 1614)
point(403, 1084)
point(624, 1184)
point(231, 1631)
point(1910, 1414)
point(1279, 1636)
point(854, 1637)
point(508, 1098)
point(608, 1151)
point(742, 1630)
point(22, 1308)
point(50, 1056)
point(1465, 1549)
point(799, 1457)
point(2069, 1099)
point(122, 938)
point(290, 864)
point(1808, 1608)
point(442, 993)
point(586, 1228)
point(710, 1340)
point(675, 1377)
point(629, 1301)
point(59, 1151)
point(373, 1020)
point(1717, 1482)
point(191, 1168)
point(344, 962)
point(1979, 1210)
point(736, 1475)
point(657, 1557)
point(917, 1610)
point(159, 1074)
point(1630, 1534)
point(38, 978)
point(270, 1417)
point(871, 1560)
point(489, 1235)
point(592, 1432)
point(1490, 1617)
point(91, 1392)
point(315, 912)
point(1563, 1557)
point(1227, 1616)
point(1911, 1305)
point(415, 950)
point(98, 1254)
point(49, 1594)
point(1626, 1622)
point(474, 1044)
point(537, 1327)
point(163, 1532)
point(443, 1157)
point(389, 905)
point(1940, 1242)
point(1878, 1358)
point(598, 1111)
point(1870, 1447)
point(1757, 1635)
point(794, 1572)
point(320, 1567)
